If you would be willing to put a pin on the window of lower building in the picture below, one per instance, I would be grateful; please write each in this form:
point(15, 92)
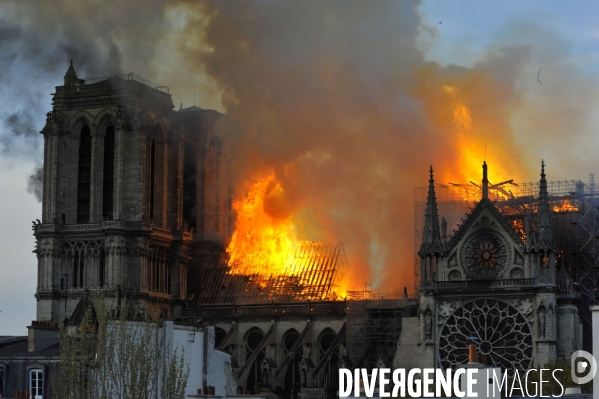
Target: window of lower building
point(2, 381)
point(36, 383)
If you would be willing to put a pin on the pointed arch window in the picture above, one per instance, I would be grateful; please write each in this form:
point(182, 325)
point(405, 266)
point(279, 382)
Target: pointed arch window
point(84, 176)
point(152, 177)
point(252, 340)
point(189, 186)
point(108, 186)
point(156, 168)
point(78, 270)
point(101, 270)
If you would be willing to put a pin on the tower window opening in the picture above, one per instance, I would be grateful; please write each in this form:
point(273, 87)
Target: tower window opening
point(84, 176)
point(108, 186)
point(152, 178)
point(189, 186)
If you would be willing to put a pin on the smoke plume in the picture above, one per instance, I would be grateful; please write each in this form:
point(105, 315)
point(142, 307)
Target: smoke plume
point(337, 98)
point(34, 183)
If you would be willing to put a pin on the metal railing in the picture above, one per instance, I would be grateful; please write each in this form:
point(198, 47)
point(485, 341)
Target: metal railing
point(130, 76)
point(524, 282)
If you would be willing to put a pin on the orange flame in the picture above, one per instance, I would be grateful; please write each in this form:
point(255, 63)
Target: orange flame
point(265, 245)
point(260, 244)
point(566, 206)
point(472, 149)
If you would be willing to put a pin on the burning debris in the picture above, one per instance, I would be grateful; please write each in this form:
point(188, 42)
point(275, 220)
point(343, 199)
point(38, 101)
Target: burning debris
point(310, 274)
point(265, 249)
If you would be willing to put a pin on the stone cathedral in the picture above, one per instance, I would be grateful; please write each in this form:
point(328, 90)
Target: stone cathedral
point(487, 283)
point(136, 195)
point(129, 185)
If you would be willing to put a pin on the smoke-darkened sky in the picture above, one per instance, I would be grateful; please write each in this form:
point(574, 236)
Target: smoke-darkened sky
point(348, 102)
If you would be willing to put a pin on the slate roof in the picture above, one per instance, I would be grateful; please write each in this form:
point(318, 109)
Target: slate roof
point(16, 348)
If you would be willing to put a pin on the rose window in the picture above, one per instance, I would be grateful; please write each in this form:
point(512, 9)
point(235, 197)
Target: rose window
point(484, 256)
point(502, 334)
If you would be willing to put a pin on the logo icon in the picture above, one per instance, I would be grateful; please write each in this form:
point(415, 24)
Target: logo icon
point(586, 365)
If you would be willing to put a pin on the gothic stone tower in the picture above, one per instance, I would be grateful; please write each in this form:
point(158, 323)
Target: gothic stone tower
point(488, 283)
point(129, 186)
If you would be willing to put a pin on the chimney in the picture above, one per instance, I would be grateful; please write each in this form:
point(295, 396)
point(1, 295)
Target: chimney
point(472, 355)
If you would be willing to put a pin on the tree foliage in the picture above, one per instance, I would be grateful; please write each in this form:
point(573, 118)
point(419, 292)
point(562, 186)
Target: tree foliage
point(116, 358)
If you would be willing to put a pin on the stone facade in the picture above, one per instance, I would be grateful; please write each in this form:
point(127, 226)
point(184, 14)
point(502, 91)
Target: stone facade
point(488, 285)
point(135, 194)
point(131, 189)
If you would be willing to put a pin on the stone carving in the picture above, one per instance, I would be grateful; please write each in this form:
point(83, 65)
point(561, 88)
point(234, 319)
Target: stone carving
point(516, 272)
point(504, 334)
point(542, 321)
point(428, 324)
point(445, 307)
point(455, 275)
point(484, 255)
point(525, 305)
point(453, 261)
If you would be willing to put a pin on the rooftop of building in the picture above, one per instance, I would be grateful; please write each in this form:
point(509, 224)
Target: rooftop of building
point(16, 347)
point(126, 77)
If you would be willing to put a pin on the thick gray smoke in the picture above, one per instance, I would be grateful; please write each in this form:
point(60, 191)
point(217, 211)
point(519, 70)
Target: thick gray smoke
point(337, 98)
point(18, 124)
point(35, 183)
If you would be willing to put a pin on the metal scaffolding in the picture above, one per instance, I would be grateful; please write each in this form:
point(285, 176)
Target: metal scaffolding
point(382, 327)
point(575, 221)
point(373, 330)
point(355, 339)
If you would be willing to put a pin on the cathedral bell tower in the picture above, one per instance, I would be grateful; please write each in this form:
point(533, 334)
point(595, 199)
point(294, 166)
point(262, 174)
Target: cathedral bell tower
point(124, 195)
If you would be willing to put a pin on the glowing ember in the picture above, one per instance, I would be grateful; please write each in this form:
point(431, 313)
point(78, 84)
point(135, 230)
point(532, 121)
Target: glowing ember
point(518, 226)
point(566, 206)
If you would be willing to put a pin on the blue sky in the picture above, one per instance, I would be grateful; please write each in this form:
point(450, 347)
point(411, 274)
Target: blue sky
point(467, 27)
point(458, 32)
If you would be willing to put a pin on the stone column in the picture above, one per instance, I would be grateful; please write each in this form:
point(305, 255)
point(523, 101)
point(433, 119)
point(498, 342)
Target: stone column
point(118, 172)
point(551, 268)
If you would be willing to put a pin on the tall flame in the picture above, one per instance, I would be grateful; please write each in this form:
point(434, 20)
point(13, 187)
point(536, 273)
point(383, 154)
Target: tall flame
point(266, 247)
point(472, 148)
point(261, 243)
